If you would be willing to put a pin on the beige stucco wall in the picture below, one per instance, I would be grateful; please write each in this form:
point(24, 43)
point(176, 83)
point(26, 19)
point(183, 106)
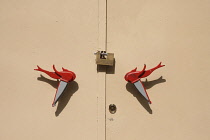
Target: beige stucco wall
point(147, 32)
point(64, 33)
point(67, 33)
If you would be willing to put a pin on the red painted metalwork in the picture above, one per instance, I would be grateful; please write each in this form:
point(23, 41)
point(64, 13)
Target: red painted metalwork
point(134, 76)
point(51, 74)
point(65, 75)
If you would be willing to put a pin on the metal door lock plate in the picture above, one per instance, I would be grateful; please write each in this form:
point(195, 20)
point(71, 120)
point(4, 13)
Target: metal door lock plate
point(112, 108)
point(103, 58)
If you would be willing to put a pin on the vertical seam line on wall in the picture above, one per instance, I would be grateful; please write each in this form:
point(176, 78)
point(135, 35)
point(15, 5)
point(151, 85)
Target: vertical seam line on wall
point(106, 28)
point(97, 93)
point(106, 69)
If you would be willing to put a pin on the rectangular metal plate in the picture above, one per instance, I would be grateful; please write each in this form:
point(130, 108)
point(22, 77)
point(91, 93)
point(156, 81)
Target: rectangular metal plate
point(108, 61)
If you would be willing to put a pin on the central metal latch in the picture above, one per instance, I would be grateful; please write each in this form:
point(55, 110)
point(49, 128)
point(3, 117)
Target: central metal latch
point(103, 58)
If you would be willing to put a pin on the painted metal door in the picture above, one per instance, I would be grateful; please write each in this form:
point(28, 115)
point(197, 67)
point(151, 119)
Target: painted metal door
point(146, 32)
point(44, 32)
point(67, 33)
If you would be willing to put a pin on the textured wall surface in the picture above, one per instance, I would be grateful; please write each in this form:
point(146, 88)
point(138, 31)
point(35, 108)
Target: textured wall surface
point(45, 32)
point(175, 32)
point(67, 33)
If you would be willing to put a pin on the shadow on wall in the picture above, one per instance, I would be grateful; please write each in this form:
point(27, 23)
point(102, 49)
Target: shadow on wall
point(65, 97)
point(147, 84)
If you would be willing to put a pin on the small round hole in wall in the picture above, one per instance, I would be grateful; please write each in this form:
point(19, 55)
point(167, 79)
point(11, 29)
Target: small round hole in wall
point(112, 108)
